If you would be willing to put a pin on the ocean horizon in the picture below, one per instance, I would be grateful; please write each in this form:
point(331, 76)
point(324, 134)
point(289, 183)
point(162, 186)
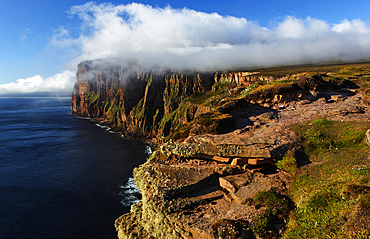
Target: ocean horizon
point(62, 176)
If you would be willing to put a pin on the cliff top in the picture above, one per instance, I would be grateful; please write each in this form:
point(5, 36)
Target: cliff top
point(244, 154)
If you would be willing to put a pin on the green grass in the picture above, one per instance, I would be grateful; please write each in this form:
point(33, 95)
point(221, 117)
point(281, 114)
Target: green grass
point(322, 136)
point(262, 225)
point(93, 98)
point(288, 163)
point(229, 229)
point(277, 208)
point(113, 111)
point(222, 85)
point(247, 90)
point(200, 97)
point(331, 194)
point(283, 71)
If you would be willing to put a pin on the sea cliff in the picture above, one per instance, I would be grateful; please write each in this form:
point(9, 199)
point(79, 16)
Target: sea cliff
point(228, 147)
point(149, 104)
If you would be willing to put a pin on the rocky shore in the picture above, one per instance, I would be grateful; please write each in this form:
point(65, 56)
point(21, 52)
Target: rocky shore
point(219, 137)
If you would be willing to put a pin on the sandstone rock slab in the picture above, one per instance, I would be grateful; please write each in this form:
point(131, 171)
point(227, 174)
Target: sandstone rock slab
point(250, 190)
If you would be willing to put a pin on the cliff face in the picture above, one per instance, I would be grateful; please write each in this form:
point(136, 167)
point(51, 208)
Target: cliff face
point(148, 104)
point(219, 136)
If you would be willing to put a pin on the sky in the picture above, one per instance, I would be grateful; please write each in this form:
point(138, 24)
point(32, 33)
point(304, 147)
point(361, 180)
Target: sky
point(42, 41)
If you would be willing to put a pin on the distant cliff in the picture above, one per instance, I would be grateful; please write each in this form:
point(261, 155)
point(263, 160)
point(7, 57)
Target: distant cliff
point(150, 104)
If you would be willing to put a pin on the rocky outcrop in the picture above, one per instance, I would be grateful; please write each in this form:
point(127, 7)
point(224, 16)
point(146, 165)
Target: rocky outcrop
point(219, 135)
point(191, 188)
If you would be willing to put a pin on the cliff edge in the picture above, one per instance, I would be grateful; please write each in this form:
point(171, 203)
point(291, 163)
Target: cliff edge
point(227, 148)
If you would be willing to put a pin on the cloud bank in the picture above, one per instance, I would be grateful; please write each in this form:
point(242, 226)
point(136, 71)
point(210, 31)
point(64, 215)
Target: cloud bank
point(184, 38)
point(59, 84)
point(187, 39)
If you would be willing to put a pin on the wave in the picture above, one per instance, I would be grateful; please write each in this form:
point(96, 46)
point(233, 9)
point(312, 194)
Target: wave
point(130, 193)
point(148, 150)
point(79, 117)
point(103, 127)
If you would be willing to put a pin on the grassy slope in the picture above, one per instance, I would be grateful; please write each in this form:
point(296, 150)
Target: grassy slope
point(332, 194)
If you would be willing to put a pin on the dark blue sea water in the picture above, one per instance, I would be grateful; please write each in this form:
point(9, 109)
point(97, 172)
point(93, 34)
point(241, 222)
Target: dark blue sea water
point(60, 176)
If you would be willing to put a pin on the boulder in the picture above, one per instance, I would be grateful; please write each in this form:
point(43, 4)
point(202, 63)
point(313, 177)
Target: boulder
point(337, 98)
point(250, 190)
point(227, 185)
point(368, 137)
point(239, 162)
point(220, 159)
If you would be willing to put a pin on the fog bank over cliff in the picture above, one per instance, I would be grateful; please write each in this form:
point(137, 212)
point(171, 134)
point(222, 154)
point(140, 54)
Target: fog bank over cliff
point(185, 39)
point(189, 39)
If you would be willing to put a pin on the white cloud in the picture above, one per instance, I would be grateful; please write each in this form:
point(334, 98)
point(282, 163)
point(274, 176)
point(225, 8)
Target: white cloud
point(62, 38)
point(137, 30)
point(25, 33)
point(184, 38)
point(291, 28)
point(354, 26)
point(59, 84)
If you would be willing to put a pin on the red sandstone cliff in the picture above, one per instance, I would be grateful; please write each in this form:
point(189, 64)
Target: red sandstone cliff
point(147, 103)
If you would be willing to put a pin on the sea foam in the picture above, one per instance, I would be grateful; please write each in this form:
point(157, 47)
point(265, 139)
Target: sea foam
point(128, 193)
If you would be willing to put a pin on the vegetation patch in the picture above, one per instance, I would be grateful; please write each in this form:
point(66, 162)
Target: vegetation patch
point(92, 98)
point(224, 170)
point(247, 90)
point(288, 163)
point(222, 85)
point(230, 229)
point(361, 169)
point(322, 136)
point(200, 97)
point(331, 194)
point(114, 112)
point(277, 209)
point(350, 70)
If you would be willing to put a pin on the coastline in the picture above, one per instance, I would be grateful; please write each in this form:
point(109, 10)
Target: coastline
point(235, 149)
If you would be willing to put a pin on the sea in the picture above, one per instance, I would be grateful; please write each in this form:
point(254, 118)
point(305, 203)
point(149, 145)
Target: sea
point(62, 176)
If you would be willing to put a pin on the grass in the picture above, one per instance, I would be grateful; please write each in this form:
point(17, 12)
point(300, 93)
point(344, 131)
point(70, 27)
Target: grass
point(277, 208)
point(321, 136)
point(222, 85)
point(230, 229)
point(92, 98)
point(283, 71)
point(288, 163)
point(200, 97)
point(331, 195)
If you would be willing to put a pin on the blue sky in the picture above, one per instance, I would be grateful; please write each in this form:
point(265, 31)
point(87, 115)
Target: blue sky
point(42, 41)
